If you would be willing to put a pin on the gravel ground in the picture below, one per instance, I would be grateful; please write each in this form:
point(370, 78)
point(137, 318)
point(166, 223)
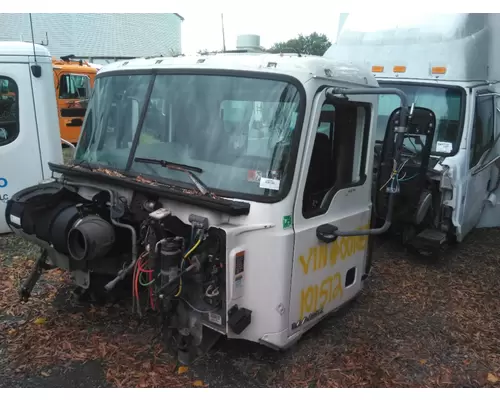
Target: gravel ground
point(414, 325)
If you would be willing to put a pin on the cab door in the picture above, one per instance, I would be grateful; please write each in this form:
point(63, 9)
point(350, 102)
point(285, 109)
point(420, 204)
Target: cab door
point(482, 152)
point(72, 89)
point(490, 166)
point(20, 156)
point(334, 188)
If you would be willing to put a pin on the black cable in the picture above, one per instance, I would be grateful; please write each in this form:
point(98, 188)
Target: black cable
point(177, 277)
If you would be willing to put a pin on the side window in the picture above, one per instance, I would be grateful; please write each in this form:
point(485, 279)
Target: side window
point(482, 130)
point(386, 105)
point(9, 110)
point(338, 158)
point(327, 121)
point(74, 86)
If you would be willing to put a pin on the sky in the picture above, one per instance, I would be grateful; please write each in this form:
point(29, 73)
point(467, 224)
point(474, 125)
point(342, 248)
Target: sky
point(202, 30)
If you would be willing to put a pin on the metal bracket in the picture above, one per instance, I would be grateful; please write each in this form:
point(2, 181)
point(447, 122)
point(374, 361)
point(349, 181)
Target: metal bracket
point(37, 271)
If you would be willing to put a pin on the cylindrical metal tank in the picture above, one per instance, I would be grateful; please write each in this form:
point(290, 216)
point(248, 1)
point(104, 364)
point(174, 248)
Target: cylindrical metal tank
point(248, 42)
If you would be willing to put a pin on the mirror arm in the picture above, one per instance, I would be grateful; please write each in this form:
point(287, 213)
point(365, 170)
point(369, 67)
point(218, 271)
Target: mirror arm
point(68, 143)
point(483, 167)
point(401, 130)
point(486, 154)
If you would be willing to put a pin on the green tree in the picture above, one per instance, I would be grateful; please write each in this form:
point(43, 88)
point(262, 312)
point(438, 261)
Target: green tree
point(313, 44)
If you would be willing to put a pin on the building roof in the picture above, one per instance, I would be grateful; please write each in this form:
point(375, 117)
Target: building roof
point(103, 35)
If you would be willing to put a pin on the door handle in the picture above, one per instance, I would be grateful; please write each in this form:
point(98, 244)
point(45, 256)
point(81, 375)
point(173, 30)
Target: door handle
point(75, 122)
point(326, 233)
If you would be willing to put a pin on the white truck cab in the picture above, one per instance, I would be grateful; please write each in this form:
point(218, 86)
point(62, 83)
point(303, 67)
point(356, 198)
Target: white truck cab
point(450, 64)
point(232, 193)
point(29, 128)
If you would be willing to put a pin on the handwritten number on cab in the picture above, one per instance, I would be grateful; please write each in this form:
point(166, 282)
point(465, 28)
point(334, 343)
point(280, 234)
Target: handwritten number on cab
point(315, 297)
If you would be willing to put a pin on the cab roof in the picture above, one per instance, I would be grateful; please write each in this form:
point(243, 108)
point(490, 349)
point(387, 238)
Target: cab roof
point(22, 49)
point(302, 67)
point(73, 66)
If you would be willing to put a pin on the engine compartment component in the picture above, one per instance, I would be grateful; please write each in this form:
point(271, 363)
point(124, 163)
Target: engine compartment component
point(90, 237)
point(172, 268)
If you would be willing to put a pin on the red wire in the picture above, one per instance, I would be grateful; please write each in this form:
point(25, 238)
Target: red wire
point(149, 272)
point(133, 282)
point(141, 267)
point(136, 277)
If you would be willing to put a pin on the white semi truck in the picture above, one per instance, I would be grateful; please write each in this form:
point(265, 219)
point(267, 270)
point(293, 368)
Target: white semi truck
point(29, 127)
point(450, 64)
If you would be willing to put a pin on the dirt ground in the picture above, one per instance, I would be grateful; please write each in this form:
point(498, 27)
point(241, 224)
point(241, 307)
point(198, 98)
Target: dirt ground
point(414, 325)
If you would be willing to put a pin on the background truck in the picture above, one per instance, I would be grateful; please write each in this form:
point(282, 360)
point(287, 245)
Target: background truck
point(73, 81)
point(29, 133)
point(449, 63)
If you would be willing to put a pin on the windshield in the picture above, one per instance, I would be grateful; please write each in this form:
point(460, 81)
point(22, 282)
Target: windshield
point(445, 102)
point(237, 130)
point(72, 86)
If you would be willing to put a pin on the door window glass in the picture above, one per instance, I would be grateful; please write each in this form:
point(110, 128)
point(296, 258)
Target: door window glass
point(482, 130)
point(9, 110)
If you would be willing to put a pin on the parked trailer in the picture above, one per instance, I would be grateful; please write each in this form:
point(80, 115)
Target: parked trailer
point(451, 64)
point(29, 128)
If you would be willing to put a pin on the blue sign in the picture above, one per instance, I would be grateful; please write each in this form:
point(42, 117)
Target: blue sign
point(3, 182)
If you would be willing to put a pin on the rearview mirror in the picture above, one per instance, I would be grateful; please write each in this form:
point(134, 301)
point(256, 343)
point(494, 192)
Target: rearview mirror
point(416, 146)
point(420, 135)
point(422, 122)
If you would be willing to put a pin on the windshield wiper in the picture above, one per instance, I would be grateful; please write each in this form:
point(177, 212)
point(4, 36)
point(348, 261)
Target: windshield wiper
point(179, 167)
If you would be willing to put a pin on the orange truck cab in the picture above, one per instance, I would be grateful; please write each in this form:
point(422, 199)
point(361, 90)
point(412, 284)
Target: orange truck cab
point(74, 81)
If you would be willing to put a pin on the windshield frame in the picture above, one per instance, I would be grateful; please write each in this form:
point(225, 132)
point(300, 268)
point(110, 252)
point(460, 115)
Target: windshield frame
point(463, 106)
point(153, 72)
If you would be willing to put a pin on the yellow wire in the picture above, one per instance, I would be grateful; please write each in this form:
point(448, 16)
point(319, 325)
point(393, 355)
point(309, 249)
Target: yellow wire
point(193, 248)
point(186, 256)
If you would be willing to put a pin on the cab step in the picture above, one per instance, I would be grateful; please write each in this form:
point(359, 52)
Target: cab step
point(429, 241)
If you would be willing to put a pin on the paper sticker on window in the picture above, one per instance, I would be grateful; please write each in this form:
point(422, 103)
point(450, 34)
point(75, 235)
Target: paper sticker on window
point(254, 176)
point(271, 184)
point(444, 147)
point(273, 174)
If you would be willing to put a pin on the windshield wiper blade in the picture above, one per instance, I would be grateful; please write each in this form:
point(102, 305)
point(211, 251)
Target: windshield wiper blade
point(179, 167)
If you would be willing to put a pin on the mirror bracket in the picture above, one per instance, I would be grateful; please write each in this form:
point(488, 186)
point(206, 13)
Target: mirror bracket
point(326, 233)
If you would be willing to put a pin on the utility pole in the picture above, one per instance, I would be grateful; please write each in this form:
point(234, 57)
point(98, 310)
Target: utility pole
point(223, 35)
point(342, 19)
